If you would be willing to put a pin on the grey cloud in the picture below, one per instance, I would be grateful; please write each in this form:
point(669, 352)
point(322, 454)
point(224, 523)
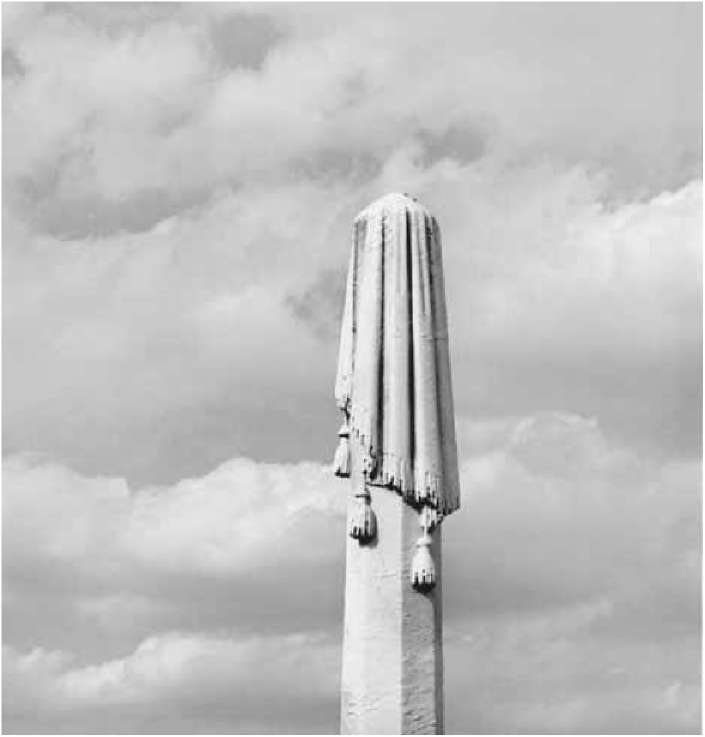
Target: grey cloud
point(254, 678)
point(163, 445)
point(331, 164)
point(243, 40)
point(163, 351)
point(510, 678)
point(103, 616)
point(670, 424)
point(610, 345)
point(537, 511)
point(111, 18)
point(104, 565)
point(537, 322)
point(464, 141)
point(320, 306)
point(105, 602)
point(353, 88)
point(83, 217)
point(588, 577)
point(135, 432)
point(572, 598)
point(367, 102)
point(12, 66)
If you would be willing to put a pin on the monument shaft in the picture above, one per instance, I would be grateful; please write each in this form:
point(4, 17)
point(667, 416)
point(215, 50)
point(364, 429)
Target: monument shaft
point(392, 675)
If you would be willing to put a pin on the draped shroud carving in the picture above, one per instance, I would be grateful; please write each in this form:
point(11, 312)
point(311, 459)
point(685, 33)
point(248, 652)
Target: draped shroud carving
point(393, 381)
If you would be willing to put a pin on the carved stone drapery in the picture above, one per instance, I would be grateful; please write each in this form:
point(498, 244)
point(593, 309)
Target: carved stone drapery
point(393, 381)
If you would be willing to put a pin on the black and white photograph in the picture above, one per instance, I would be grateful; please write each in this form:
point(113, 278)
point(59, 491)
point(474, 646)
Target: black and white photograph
point(352, 365)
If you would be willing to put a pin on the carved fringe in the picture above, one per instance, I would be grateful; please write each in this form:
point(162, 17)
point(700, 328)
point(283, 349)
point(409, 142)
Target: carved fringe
point(396, 473)
point(392, 473)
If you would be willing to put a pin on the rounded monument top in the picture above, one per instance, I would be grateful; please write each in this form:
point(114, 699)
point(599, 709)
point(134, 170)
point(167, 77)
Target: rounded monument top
point(394, 202)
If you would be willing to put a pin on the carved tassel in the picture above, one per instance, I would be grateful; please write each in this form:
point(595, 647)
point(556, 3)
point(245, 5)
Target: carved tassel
point(341, 462)
point(423, 569)
point(363, 521)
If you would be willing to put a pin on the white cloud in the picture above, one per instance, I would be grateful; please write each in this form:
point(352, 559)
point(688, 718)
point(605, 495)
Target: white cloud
point(554, 514)
point(221, 585)
point(572, 585)
point(241, 516)
point(571, 556)
point(180, 331)
point(256, 679)
point(172, 202)
point(162, 216)
point(151, 106)
point(561, 672)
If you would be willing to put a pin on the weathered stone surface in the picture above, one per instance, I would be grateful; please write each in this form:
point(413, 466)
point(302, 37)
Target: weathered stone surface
point(392, 677)
point(398, 446)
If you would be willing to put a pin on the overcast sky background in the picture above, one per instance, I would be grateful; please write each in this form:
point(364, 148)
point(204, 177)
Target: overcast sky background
point(179, 184)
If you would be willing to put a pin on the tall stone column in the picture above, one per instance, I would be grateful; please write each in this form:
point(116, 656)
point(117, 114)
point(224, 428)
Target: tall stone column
point(392, 675)
point(397, 446)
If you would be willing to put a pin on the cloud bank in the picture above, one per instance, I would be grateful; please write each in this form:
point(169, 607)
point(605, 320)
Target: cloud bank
point(179, 183)
point(570, 557)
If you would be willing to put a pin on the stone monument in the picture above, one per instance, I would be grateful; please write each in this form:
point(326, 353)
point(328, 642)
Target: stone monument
point(397, 446)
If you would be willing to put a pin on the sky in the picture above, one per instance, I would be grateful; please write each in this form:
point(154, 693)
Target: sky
point(179, 183)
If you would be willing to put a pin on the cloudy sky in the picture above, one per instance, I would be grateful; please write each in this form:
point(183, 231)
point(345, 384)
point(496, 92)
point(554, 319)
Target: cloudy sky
point(179, 183)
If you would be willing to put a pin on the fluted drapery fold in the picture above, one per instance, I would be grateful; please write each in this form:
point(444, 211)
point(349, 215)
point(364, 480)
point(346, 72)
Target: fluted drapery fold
point(393, 379)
